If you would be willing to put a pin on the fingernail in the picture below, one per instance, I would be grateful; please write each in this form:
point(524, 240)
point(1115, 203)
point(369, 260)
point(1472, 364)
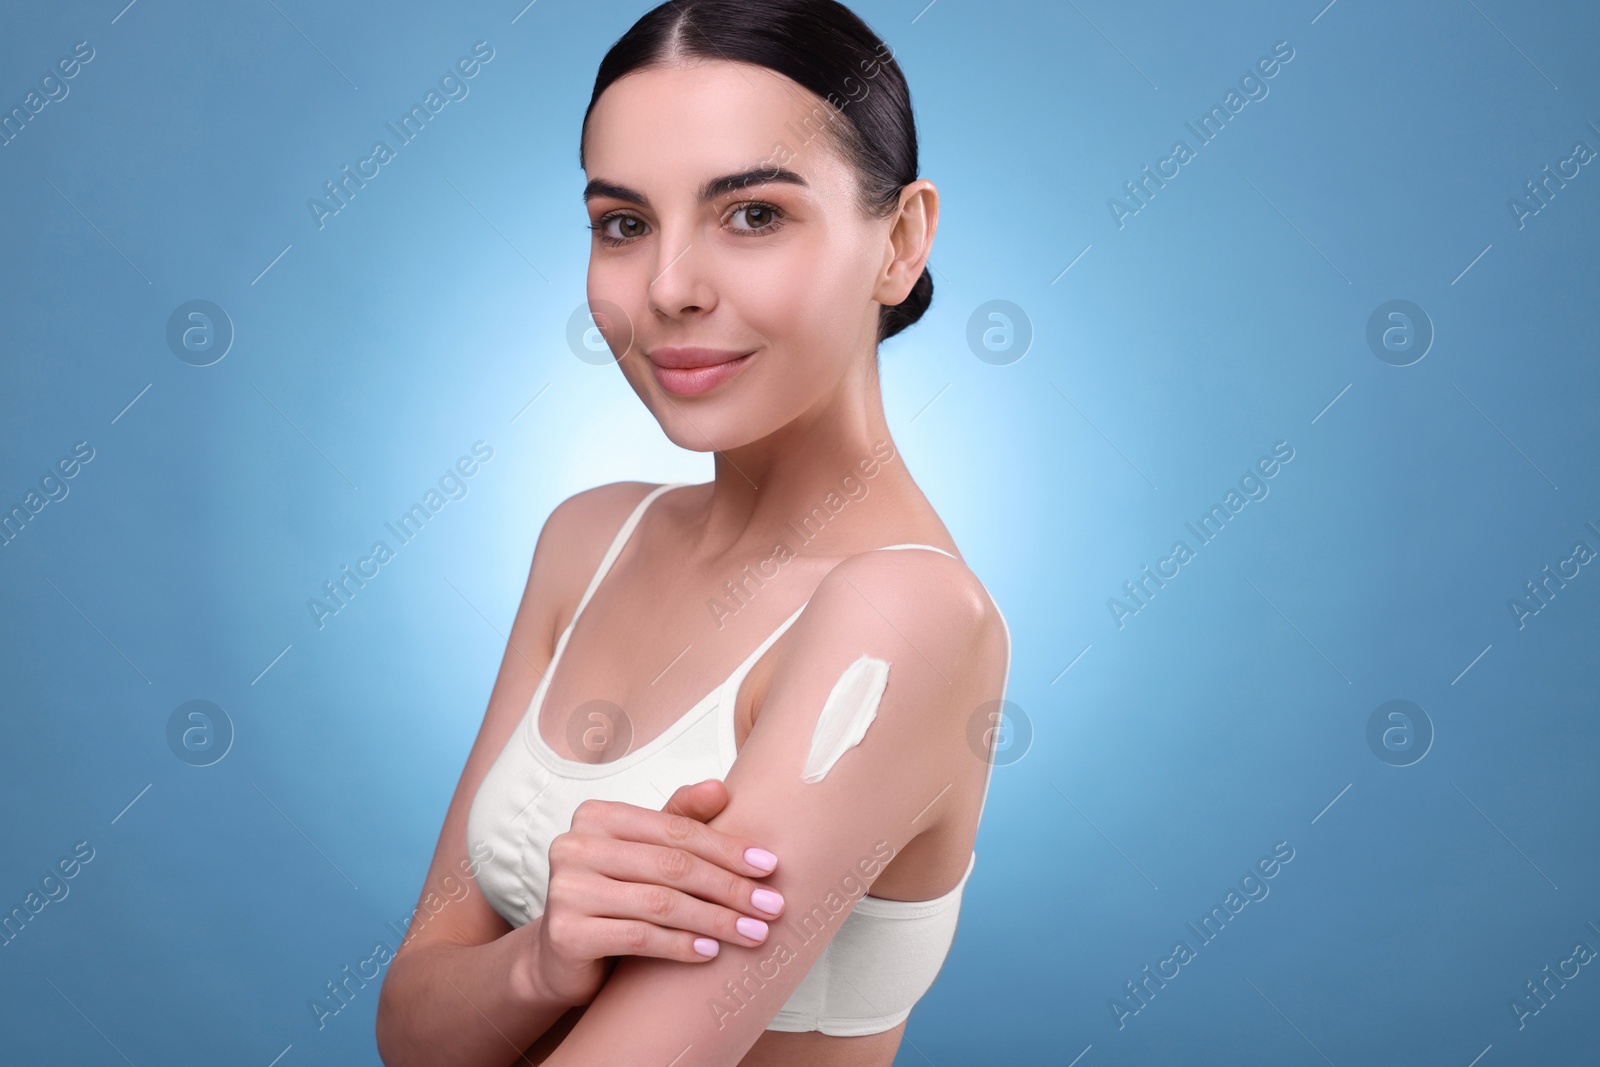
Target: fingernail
point(706, 946)
point(760, 857)
point(754, 929)
point(768, 901)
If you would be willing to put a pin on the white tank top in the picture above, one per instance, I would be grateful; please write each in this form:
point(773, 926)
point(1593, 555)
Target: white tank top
point(884, 956)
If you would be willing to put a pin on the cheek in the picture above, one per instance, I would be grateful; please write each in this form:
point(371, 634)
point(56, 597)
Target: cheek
point(608, 281)
point(613, 288)
point(775, 296)
point(804, 298)
point(811, 306)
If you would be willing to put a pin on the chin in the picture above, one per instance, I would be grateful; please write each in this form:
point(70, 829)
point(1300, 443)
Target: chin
point(699, 436)
point(707, 430)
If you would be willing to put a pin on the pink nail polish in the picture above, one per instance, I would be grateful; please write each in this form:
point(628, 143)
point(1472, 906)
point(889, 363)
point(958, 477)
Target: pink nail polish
point(760, 857)
point(768, 901)
point(706, 946)
point(754, 929)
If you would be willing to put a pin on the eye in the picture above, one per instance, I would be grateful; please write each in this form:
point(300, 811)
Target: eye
point(763, 217)
point(631, 226)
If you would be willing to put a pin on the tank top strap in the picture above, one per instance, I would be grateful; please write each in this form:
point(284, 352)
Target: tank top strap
point(736, 679)
point(616, 545)
point(910, 544)
point(744, 668)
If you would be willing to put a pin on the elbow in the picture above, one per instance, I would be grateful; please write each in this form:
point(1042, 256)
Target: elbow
point(389, 1026)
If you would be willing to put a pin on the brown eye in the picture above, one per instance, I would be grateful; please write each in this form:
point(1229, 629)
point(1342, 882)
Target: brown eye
point(626, 226)
point(761, 217)
point(629, 227)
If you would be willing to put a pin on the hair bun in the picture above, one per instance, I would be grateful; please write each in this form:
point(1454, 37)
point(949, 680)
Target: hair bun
point(893, 319)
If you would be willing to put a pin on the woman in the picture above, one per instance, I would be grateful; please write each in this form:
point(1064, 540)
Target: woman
point(659, 886)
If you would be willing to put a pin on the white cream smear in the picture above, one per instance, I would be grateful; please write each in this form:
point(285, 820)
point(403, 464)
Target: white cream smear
point(850, 709)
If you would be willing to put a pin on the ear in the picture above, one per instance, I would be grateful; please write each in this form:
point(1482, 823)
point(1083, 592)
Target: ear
point(910, 239)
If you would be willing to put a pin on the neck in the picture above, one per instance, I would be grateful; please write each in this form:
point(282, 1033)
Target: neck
point(816, 484)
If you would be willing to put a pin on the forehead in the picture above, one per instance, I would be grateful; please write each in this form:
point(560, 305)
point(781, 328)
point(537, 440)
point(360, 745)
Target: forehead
point(679, 124)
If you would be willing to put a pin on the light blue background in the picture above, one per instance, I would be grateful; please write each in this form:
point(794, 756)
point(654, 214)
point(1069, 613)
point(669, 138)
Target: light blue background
point(1228, 314)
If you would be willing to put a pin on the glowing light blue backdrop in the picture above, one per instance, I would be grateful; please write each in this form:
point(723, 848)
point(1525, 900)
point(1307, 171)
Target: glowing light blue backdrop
point(1370, 272)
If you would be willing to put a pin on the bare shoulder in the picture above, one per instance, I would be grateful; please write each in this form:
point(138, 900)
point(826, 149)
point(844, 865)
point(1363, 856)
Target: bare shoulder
point(573, 541)
point(934, 592)
point(931, 609)
point(589, 512)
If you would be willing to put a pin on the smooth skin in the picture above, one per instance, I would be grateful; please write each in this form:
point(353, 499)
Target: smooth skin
point(796, 273)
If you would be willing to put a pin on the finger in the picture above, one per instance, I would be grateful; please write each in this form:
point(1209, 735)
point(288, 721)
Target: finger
point(628, 822)
point(615, 919)
point(701, 800)
point(670, 908)
point(635, 937)
point(656, 867)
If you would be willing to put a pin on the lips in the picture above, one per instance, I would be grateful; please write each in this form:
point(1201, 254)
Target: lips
point(693, 371)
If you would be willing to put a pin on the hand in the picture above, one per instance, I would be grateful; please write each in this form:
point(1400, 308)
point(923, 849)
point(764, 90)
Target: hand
point(628, 881)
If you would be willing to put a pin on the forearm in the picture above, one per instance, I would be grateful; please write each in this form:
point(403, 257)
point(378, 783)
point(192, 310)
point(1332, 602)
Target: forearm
point(464, 1005)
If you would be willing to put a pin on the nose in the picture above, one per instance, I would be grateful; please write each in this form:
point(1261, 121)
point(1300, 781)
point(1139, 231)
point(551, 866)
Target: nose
point(679, 284)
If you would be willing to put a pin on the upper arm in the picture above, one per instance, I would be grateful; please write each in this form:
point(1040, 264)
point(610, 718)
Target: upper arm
point(930, 620)
point(448, 911)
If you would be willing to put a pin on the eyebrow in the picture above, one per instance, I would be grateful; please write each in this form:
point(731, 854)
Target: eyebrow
point(712, 189)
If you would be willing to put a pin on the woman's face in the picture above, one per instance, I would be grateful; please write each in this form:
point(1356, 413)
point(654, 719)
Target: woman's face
point(782, 273)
